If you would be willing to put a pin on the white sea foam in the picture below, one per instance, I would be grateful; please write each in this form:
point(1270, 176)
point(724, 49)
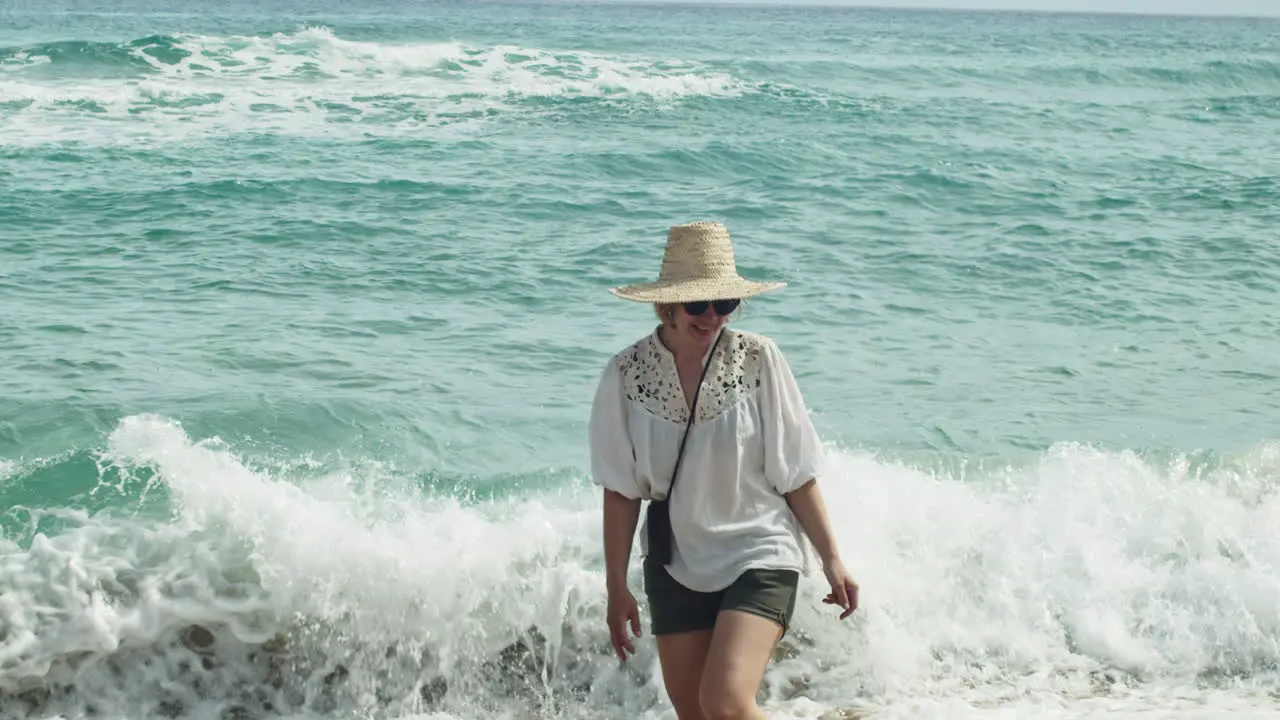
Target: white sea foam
point(312, 82)
point(1087, 584)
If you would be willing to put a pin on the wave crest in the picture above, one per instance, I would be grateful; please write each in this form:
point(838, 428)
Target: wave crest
point(312, 80)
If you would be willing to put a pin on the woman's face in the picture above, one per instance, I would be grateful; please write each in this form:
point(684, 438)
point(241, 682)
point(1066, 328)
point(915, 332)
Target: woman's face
point(699, 322)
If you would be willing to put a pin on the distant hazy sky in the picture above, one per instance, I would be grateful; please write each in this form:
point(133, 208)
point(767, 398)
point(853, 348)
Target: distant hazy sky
point(1198, 7)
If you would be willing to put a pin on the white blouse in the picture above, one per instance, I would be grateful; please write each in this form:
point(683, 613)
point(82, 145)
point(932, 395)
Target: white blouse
point(751, 442)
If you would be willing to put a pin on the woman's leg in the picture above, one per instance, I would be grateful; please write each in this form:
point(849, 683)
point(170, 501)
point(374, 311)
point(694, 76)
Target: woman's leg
point(741, 646)
point(682, 656)
point(682, 622)
point(754, 614)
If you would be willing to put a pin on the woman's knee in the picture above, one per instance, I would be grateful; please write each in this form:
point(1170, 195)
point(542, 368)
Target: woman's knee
point(682, 656)
point(720, 702)
point(684, 698)
point(687, 709)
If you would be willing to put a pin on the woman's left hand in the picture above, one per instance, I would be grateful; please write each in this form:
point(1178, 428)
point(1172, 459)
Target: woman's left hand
point(844, 591)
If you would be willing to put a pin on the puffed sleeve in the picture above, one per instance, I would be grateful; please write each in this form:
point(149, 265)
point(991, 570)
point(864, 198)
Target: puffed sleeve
point(792, 449)
point(613, 458)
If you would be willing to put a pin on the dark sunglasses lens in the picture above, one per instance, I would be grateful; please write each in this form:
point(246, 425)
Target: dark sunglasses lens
point(723, 307)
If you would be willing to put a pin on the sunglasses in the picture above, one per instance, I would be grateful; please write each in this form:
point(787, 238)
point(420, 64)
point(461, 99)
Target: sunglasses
point(723, 307)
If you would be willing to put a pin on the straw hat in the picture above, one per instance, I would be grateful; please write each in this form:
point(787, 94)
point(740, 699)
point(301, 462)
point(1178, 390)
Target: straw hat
point(698, 265)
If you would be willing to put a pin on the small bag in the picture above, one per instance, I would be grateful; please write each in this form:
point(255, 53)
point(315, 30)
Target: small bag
point(658, 519)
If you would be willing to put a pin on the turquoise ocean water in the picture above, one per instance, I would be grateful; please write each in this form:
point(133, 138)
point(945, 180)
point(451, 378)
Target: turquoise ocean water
point(302, 307)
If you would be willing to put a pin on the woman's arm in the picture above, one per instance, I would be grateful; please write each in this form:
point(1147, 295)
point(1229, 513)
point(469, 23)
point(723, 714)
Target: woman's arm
point(621, 515)
point(806, 502)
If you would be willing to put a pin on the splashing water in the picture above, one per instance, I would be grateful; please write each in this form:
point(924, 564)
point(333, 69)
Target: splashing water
point(1087, 575)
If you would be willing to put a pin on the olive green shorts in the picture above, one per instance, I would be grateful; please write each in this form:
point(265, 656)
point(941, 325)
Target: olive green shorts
point(674, 608)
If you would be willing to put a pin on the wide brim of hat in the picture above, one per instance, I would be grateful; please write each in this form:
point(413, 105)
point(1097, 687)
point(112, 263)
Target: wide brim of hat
point(695, 290)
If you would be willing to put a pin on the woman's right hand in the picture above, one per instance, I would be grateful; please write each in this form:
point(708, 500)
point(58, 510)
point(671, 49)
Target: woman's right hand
point(623, 611)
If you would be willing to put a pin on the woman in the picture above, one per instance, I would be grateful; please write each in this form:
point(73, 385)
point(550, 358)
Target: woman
point(735, 511)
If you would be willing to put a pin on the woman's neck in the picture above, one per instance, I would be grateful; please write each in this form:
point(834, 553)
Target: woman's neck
point(681, 346)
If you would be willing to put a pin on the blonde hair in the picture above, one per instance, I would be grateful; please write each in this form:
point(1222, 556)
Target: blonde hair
point(666, 312)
